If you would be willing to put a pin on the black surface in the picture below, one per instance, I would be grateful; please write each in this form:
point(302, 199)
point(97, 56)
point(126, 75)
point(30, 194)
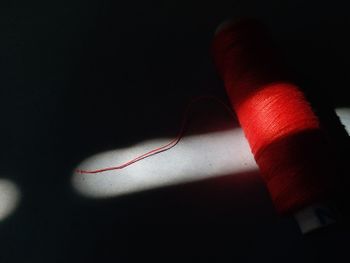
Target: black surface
point(85, 76)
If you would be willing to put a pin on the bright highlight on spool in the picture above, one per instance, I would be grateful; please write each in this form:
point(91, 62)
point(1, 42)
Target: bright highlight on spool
point(195, 158)
point(9, 198)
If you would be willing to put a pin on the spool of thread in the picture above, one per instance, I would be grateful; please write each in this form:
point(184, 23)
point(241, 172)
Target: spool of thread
point(284, 133)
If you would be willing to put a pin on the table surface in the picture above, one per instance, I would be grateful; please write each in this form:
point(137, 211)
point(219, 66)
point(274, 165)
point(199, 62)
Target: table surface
point(94, 82)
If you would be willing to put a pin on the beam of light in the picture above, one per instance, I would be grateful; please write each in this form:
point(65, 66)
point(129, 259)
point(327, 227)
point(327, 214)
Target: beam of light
point(9, 198)
point(196, 157)
point(344, 116)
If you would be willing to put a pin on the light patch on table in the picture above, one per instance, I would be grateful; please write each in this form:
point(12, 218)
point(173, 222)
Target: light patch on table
point(194, 158)
point(9, 198)
point(344, 115)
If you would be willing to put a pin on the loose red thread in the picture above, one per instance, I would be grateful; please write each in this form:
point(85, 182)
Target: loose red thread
point(167, 146)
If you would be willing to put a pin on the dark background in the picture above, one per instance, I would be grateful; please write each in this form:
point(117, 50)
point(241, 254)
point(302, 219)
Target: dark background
point(81, 77)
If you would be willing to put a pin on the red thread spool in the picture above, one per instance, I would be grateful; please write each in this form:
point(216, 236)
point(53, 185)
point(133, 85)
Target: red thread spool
point(284, 133)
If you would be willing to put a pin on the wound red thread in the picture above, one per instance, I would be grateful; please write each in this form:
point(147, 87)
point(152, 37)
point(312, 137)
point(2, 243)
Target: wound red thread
point(282, 130)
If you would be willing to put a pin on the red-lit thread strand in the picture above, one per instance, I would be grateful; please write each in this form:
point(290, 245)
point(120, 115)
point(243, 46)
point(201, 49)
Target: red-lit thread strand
point(167, 146)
